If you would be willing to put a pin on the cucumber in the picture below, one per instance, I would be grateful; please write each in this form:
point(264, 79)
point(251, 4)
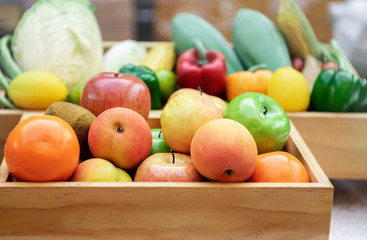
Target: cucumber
point(7, 62)
point(10, 68)
point(257, 40)
point(185, 27)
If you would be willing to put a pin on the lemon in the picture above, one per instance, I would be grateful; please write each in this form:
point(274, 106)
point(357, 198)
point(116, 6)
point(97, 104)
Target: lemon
point(36, 90)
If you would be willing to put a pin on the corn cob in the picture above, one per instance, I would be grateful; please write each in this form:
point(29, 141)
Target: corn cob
point(160, 56)
point(297, 30)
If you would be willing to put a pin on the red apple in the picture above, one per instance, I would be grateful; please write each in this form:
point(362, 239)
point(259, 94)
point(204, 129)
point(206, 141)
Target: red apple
point(224, 150)
point(107, 90)
point(181, 118)
point(121, 136)
point(331, 65)
point(220, 103)
point(167, 167)
point(298, 64)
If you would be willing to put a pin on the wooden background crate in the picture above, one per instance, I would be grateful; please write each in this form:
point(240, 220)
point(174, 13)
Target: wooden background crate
point(337, 140)
point(170, 210)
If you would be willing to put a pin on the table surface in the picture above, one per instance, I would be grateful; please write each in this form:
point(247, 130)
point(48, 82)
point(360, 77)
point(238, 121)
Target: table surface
point(349, 214)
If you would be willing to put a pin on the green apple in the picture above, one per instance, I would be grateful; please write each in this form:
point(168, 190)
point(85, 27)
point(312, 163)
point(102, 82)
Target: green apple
point(263, 117)
point(167, 82)
point(75, 94)
point(158, 144)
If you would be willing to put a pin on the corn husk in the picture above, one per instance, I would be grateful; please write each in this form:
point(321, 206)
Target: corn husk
point(297, 30)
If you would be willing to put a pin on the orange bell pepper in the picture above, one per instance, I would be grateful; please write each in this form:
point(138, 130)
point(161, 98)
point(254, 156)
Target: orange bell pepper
point(247, 81)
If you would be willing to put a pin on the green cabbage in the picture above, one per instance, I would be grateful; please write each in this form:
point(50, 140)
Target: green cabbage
point(60, 36)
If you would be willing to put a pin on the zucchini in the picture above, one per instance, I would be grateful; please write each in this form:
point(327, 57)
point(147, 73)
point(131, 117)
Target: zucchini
point(185, 27)
point(257, 40)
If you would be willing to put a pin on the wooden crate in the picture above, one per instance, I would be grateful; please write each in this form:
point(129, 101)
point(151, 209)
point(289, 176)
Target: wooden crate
point(337, 140)
point(170, 210)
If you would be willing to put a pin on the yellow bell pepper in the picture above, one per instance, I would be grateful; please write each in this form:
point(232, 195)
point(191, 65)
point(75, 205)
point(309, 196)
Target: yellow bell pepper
point(290, 89)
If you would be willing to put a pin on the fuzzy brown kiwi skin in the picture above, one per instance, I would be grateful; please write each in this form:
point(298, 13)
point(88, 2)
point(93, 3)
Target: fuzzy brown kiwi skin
point(79, 119)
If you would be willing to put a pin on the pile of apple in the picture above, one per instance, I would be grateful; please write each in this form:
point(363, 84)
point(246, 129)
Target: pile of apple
point(207, 139)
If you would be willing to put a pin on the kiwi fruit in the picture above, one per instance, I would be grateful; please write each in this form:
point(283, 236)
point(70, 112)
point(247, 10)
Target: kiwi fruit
point(79, 119)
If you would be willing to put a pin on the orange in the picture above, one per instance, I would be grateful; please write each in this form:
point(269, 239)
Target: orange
point(42, 148)
point(279, 166)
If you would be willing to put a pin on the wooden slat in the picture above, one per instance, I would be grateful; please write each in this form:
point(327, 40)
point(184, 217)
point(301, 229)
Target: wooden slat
point(160, 212)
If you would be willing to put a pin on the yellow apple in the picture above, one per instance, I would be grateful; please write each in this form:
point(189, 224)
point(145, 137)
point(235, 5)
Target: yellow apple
point(123, 176)
point(181, 118)
point(220, 103)
point(95, 170)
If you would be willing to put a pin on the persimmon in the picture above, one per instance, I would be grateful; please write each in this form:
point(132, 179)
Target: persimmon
point(279, 166)
point(42, 148)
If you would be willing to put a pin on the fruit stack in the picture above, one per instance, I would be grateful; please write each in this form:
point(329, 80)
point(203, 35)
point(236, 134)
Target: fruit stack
point(108, 138)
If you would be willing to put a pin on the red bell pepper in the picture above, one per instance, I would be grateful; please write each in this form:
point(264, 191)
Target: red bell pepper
point(198, 67)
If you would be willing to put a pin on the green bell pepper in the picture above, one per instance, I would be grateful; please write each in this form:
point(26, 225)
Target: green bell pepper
point(339, 91)
point(158, 143)
point(149, 78)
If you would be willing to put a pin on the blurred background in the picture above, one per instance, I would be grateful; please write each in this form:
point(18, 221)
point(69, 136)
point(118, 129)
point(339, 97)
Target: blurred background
point(149, 20)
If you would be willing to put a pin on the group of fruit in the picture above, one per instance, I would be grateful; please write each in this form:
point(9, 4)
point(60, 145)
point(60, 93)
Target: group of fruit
point(223, 108)
point(108, 138)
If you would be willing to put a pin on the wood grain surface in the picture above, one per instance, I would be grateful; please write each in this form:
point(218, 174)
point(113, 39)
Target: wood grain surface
point(337, 140)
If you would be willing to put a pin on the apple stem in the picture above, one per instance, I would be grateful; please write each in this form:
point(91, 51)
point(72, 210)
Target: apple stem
point(266, 110)
point(173, 156)
point(160, 134)
point(201, 90)
point(116, 74)
point(120, 129)
point(229, 172)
